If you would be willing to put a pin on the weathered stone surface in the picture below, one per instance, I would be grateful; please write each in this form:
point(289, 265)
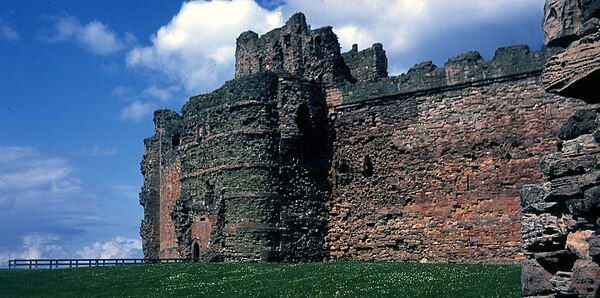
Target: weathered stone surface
point(590, 27)
point(566, 187)
point(573, 171)
point(166, 124)
point(583, 122)
point(577, 242)
point(594, 247)
point(425, 165)
point(582, 145)
point(556, 165)
point(534, 198)
point(367, 65)
point(543, 232)
point(534, 279)
point(576, 207)
point(562, 22)
point(591, 199)
point(562, 282)
point(295, 49)
point(589, 9)
point(468, 68)
point(575, 72)
point(586, 279)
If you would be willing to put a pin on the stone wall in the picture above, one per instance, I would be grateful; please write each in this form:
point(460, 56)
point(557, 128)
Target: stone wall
point(247, 179)
point(159, 156)
point(312, 155)
point(560, 227)
point(436, 175)
point(367, 65)
point(170, 189)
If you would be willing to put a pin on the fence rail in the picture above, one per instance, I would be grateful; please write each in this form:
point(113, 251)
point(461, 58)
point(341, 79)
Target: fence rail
point(80, 263)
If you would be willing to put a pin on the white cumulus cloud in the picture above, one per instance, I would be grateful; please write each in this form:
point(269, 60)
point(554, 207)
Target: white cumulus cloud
point(143, 103)
point(36, 246)
point(119, 247)
point(93, 36)
point(196, 49)
point(137, 110)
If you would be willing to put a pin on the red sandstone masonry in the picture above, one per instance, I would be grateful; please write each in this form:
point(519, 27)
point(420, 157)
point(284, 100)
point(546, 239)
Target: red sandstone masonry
point(170, 189)
point(447, 168)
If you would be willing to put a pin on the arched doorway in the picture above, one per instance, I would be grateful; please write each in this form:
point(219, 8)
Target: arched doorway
point(195, 252)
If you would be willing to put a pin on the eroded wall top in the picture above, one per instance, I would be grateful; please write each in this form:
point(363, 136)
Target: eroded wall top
point(294, 48)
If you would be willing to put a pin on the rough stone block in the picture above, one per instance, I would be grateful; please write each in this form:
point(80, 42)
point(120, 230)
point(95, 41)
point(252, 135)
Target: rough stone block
point(591, 198)
point(562, 282)
point(565, 187)
point(542, 232)
point(533, 198)
point(556, 165)
point(535, 280)
point(562, 22)
point(594, 246)
point(583, 122)
point(575, 71)
point(577, 207)
point(586, 278)
point(577, 242)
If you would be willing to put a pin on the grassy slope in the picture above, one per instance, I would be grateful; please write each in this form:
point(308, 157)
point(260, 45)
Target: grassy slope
point(268, 280)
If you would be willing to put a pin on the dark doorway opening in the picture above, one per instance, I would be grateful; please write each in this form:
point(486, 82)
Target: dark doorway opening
point(195, 252)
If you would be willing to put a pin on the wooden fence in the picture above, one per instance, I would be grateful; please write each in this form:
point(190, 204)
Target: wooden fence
point(79, 263)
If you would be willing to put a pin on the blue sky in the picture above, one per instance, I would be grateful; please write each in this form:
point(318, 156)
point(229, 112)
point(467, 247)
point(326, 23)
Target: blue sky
point(79, 81)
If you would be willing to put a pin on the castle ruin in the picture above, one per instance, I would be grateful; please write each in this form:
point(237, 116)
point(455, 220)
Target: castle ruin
point(311, 154)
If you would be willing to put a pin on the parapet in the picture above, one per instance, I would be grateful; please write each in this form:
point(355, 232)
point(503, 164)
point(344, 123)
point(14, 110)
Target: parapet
point(295, 49)
point(468, 68)
point(367, 65)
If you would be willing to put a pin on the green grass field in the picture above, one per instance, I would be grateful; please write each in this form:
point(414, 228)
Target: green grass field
point(344, 279)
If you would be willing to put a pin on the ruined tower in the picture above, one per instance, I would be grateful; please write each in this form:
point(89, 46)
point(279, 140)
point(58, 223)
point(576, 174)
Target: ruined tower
point(243, 173)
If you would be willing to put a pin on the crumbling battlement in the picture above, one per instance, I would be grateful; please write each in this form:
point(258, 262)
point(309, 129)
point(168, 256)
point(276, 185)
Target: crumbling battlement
point(367, 65)
point(508, 64)
point(310, 155)
point(295, 49)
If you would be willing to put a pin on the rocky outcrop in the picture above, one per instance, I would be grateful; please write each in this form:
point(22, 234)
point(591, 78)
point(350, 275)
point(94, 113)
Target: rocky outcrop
point(566, 21)
point(576, 71)
point(560, 226)
point(568, 257)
